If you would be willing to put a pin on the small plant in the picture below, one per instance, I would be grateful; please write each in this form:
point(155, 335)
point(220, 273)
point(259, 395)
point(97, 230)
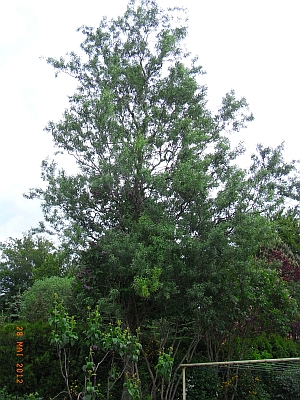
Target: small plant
point(112, 339)
point(132, 384)
point(165, 363)
point(63, 336)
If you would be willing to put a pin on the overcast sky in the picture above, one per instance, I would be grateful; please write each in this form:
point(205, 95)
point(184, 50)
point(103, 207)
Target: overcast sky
point(250, 46)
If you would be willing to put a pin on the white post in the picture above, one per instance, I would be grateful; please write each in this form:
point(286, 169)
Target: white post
point(183, 384)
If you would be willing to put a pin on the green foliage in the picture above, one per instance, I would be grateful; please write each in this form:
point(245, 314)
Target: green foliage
point(7, 355)
point(253, 382)
point(4, 395)
point(141, 127)
point(262, 346)
point(13, 306)
point(288, 230)
point(22, 262)
point(63, 336)
point(203, 383)
point(40, 367)
point(132, 385)
point(271, 382)
point(144, 286)
point(286, 385)
point(245, 385)
point(112, 339)
point(63, 325)
point(37, 300)
point(165, 363)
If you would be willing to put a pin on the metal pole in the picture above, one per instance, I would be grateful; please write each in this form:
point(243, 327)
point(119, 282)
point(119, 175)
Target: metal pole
point(268, 360)
point(183, 384)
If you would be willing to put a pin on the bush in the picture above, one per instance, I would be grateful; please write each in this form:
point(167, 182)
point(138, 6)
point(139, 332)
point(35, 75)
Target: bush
point(39, 361)
point(4, 395)
point(286, 384)
point(38, 300)
point(203, 383)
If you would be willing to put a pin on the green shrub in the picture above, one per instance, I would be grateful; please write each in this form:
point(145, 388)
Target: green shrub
point(39, 361)
point(269, 346)
point(203, 383)
point(286, 384)
point(37, 300)
point(4, 395)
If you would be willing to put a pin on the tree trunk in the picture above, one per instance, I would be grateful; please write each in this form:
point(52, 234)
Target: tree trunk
point(128, 373)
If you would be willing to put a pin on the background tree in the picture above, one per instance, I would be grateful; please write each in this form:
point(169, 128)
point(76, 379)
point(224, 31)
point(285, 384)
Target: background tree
point(25, 260)
point(286, 254)
point(287, 226)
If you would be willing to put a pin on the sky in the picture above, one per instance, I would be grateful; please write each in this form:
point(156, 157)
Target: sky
point(249, 46)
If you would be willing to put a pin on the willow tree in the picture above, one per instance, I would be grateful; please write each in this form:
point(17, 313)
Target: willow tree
point(158, 203)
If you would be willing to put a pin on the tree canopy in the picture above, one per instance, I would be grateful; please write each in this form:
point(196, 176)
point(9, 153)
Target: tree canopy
point(144, 140)
point(136, 125)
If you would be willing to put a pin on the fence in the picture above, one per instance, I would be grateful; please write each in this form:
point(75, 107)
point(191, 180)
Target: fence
point(278, 365)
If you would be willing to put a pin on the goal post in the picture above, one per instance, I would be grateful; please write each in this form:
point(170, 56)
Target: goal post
point(228, 364)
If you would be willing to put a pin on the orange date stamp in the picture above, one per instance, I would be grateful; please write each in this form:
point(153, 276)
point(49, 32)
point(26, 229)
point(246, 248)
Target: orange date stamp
point(19, 353)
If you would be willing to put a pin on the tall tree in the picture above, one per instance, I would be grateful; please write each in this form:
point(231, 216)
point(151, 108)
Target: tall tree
point(167, 220)
point(136, 125)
